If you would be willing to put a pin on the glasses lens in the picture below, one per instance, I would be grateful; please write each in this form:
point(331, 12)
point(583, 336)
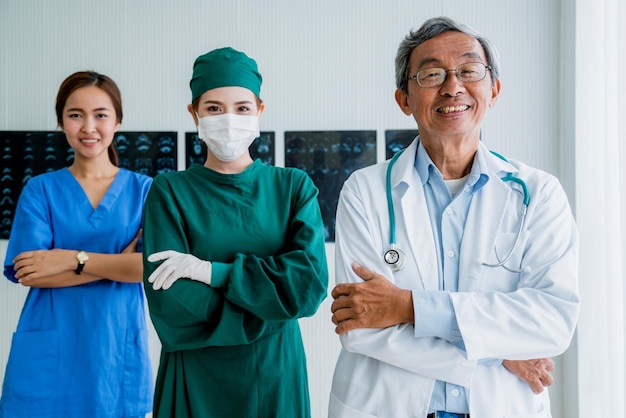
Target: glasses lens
point(466, 73)
point(470, 72)
point(431, 77)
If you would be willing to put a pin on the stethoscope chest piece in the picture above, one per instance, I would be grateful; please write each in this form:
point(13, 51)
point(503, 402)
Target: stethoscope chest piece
point(394, 258)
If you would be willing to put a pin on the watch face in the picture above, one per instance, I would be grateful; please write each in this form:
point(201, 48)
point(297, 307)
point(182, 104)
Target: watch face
point(82, 257)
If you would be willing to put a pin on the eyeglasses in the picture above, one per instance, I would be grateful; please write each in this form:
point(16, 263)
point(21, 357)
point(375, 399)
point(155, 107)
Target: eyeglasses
point(469, 72)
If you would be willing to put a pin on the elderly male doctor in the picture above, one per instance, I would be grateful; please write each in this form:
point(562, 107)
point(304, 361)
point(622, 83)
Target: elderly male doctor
point(458, 319)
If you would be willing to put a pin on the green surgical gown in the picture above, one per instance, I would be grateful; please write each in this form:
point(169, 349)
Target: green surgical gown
point(234, 349)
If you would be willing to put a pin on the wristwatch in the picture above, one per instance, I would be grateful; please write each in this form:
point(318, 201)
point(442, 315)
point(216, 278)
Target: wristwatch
point(81, 259)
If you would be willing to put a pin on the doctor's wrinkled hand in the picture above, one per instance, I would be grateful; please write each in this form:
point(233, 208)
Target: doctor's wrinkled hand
point(537, 372)
point(374, 303)
point(176, 266)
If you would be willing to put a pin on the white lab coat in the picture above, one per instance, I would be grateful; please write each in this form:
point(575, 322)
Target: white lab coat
point(390, 373)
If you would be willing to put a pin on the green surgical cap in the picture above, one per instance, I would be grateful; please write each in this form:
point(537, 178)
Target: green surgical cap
point(224, 67)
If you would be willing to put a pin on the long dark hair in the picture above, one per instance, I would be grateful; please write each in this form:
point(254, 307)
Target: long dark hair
point(85, 79)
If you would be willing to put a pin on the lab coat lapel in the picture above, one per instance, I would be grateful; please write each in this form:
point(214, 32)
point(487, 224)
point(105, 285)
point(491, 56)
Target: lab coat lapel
point(413, 222)
point(422, 244)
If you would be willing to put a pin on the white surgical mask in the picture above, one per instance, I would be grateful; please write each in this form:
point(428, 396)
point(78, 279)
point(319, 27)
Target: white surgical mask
point(228, 135)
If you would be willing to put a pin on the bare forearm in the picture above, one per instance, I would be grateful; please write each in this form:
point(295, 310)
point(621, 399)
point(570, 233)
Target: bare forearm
point(405, 308)
point(65, 279)
point(117, 267)
point(56, 268)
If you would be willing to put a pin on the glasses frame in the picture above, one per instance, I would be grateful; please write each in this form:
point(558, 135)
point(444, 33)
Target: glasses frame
point(456, 73)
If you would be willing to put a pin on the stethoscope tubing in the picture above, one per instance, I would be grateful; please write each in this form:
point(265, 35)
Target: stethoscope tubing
point(392, 216)
point(394, 253)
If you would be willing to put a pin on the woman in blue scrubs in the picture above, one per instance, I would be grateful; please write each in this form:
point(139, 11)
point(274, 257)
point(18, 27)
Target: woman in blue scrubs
point(81, 345)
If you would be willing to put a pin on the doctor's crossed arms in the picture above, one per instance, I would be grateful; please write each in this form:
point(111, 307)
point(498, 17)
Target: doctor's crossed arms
point(382, 305)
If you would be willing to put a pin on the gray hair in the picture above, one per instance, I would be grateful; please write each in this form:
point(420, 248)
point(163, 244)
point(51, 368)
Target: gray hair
point(430, 29)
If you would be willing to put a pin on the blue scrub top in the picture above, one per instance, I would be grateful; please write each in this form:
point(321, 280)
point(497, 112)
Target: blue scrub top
point(83, 350)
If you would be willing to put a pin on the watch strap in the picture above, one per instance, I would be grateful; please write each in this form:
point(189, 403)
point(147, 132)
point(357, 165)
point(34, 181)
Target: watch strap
point(79, 268)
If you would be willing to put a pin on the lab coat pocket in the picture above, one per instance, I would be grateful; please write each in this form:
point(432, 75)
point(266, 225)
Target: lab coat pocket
point(499, 278)
point(496, 392)
point(31, 372)
point(338, 409)
point(538, 415)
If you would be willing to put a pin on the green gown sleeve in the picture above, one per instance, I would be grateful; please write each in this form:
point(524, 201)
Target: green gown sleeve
point(249, 295)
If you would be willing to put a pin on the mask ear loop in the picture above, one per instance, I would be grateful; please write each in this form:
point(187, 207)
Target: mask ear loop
point(394, 257)
point(198, 124)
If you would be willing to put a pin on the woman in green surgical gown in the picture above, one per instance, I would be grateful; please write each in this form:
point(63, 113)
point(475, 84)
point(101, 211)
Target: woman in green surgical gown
point(233, 256)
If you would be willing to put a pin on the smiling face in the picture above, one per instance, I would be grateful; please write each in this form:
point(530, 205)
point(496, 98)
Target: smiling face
point(89, 122)
point(449, 114)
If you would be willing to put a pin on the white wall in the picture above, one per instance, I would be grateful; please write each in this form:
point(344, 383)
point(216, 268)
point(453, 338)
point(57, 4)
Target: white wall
point(326, 65)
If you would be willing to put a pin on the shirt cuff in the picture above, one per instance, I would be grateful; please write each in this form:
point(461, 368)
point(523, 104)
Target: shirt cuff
point(434, 316)
point(9, 273)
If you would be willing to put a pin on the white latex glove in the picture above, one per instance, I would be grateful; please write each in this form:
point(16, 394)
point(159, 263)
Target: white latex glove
point(178, 265)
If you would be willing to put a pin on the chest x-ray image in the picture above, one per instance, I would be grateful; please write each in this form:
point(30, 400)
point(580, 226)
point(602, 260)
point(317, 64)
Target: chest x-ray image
point(28, 153)
point(24, 155)
point(329, 157)
point(397, 140)
point(148, 153)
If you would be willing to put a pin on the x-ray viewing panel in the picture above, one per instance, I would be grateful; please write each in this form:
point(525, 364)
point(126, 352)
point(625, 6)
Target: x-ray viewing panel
point(329, 157)
point(28, 153)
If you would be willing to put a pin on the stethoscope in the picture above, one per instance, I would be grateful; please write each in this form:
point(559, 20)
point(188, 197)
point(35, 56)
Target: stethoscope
point(396, 259)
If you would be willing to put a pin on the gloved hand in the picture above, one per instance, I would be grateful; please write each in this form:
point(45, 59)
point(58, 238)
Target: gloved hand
point(178, 265)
